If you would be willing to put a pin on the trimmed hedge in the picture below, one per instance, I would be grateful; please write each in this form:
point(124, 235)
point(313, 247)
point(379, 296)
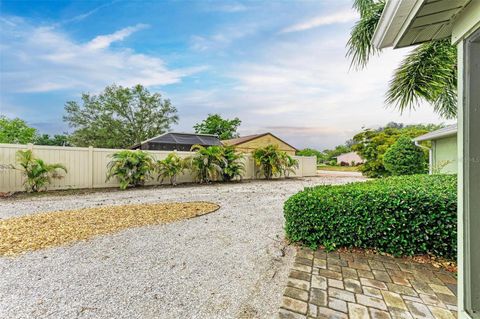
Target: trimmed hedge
point(404, 215)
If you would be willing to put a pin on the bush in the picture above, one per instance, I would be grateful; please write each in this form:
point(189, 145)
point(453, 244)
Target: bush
point(131, 168)
point(271, 161)
point(38, 174)
point(398, 215)
point(232, 166)
point(170, 167)
point(207, 163)
point(404, 158)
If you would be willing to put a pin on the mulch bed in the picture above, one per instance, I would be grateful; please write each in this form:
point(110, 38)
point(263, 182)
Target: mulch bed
point(38, 231)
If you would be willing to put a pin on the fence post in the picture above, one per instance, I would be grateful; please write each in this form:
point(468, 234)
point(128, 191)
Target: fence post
point(90, 163)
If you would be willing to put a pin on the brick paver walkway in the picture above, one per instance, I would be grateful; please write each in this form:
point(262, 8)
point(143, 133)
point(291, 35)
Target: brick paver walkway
point(354, 285)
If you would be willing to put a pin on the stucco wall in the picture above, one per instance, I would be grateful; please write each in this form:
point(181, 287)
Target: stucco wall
point(263, 141)
point(444, 153)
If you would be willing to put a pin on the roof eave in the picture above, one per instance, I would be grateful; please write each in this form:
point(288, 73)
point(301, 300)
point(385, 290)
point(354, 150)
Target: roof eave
point(427, 137)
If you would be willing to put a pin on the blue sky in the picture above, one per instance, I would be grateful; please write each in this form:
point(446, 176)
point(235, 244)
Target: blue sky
point(279, 66)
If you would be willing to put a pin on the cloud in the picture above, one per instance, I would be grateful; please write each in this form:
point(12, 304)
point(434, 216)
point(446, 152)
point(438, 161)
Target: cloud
point(343, 16)
point(85, 15)
point(104, 41)
point(44, 59)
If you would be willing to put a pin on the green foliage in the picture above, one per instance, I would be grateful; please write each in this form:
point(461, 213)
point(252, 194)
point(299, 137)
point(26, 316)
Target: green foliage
point(207, 163)
point(170, 167)
point(405, 215)
point(405, 158)
point(273, 162)
point(56, 140)
point(330, 155)
point(232, 165)
point(38, 174)
point(214, 124)
point(371, 145)
point(312, 152)
point(428, 72)
point(131, 168)
point(16, 131)
point(119, 117)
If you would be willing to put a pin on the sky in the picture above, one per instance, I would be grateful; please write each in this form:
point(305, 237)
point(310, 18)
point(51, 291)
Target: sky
point(279, 66)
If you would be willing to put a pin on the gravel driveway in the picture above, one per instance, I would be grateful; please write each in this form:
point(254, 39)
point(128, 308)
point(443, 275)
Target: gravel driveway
point(232, 263)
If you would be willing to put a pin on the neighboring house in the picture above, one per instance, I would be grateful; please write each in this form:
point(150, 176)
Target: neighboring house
point(443, 152)
point(249, 143)
point(352, 158)
point(177, 142)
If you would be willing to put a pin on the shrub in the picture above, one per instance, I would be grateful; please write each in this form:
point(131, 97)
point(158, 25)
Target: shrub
point(131, 168)
point(404, 158)
point(399, 215)
point(232, 165)
point(290, 165)
point(38, 174)
point(207, 163)
point(271, 161)
point(170, 167)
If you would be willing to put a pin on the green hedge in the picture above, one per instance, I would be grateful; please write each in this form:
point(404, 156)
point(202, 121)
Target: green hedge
point(403, 215)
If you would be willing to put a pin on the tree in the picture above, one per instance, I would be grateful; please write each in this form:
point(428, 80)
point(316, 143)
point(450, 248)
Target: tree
point(55, 140)
point(119, 117)
point(273, 162)
point(170, 167)
point(428, 73)
point(404, 158)
point(207, 163)
point(16, 131)
point(232, 165)
point(215, 124)
point(131, 168)
point(371, 145)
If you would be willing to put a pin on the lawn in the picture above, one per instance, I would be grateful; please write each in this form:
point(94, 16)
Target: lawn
point(338, 168)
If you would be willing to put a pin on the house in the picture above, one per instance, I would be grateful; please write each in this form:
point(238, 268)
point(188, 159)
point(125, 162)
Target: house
point(249, 143)
point(443, 151)
point(351, 158)
point(177, 142)
point(405, 23)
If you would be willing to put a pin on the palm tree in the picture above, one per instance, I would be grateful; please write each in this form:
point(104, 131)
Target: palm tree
point(207, 163)
point(428, 73)
point(131, 168)
point(170, 168)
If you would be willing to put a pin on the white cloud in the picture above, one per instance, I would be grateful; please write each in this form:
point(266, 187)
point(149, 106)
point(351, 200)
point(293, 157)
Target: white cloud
point(104, 41)
point(43, 59)
point(343, 16)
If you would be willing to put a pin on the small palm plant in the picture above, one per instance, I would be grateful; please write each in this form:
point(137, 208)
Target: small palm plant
point(170, 167)
point(290, 164)
point(38, 174)
point(131, 168)
point(207, 163)
point(270, 160)
point(233, 165)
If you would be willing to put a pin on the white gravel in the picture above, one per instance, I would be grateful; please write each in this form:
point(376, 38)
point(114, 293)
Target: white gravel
point(228, 264)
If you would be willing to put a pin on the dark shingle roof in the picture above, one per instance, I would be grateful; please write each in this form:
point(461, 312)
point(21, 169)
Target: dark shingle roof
point(185, 138)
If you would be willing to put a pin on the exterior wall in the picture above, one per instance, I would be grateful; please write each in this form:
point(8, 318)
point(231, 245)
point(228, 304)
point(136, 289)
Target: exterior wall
point(444, 155)
point(349, 158)
point(87, 166)
point(263, 141)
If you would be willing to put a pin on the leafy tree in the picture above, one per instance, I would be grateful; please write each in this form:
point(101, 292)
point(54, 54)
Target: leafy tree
point(404, 158)
point(428, 73)
point(38, 174)
point(371, 145)
point(55, 140)
point(215, 124)
point(312, 152)
point(232, 164)
point(170, 168)
point(329, 155)
point(131, 168)
point(16, 131)
point(207, 163)
point(119, 117)
point(271, 161)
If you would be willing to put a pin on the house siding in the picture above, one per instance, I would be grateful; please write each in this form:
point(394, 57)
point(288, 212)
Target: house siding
point(444, 155)
point(262, 141)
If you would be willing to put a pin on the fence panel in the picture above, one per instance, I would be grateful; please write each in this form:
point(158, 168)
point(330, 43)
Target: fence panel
point(87, 166)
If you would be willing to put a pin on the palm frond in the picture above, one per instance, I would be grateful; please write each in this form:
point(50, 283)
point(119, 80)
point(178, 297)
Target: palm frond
point(360, 47)
point(428, 73)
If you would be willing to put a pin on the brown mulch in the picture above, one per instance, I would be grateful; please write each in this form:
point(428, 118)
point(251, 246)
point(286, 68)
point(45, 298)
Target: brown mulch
point(39, 231)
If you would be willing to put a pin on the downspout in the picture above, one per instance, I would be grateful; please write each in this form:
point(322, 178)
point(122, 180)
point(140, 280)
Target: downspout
point(430, 156)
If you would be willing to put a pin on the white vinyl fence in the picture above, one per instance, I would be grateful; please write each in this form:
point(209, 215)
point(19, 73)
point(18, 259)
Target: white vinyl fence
point(87, 166)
